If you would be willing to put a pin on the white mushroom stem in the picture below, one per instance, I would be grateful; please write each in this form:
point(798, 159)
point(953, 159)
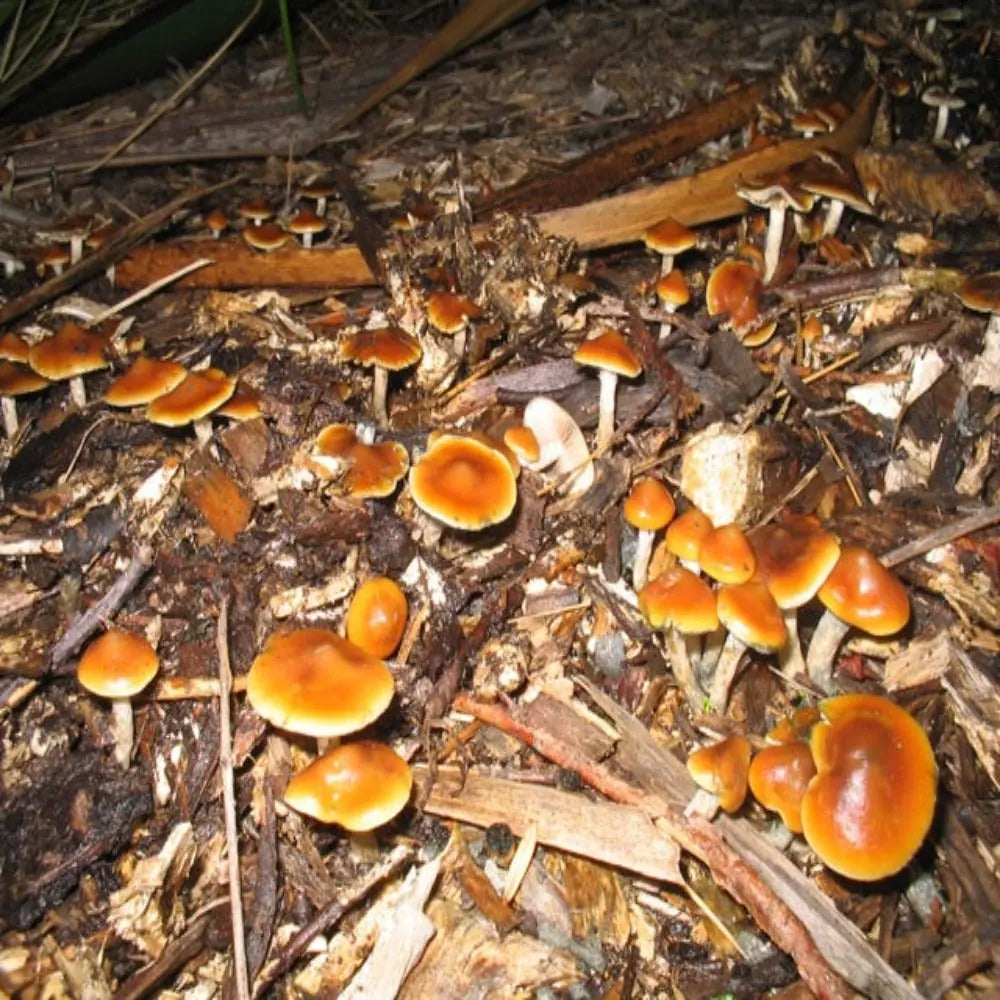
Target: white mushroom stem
point(321, 206)
point(790, 657)
point(77, 391)
point(640, 563)
point(772, 243)
point(725, 672)
point(380, 389)
point(941, 122)
point(307, 240)
point(203, 431)
point(834, 214)
point(667, 263)
point(9, 416)
point(123, 730)
point(667, 325)
point(680, 649)
point(460, 342)
point(823, 648)
point(606, 407)
point(75, 248)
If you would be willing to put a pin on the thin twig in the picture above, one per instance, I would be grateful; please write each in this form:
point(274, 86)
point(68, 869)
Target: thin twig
point(150, 289)
point(229, 806)
point(984, 518)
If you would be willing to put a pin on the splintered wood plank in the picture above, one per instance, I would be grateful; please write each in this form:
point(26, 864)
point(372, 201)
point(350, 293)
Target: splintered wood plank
point(218, 498)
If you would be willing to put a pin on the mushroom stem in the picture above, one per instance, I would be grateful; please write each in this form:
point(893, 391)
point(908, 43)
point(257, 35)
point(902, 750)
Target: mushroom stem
point(679, 650)
point(307, 240)
point(203, 431)
point(940, 123)
point(790, 657)
point(640, 563)
point(76, 246)
point(459, 343)
point(833, 216)
point(823, 648)
point(380, 389)
point(667, 325)
point(725, 672)
point(711, 649)
point(123, 730)
point(667, 263)
point(9, 416)
point(772, 243)
point(606, 408)
point(77, 392)
point(321, 206)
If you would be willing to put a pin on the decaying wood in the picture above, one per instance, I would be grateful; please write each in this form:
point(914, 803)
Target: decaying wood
point(629, 158)
point(611, 834)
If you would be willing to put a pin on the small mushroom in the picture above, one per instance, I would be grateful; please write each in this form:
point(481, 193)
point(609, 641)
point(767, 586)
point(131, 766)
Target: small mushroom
point(734, 288)
point(307, 224)
point(777, 194)
point(726, 556)
point(611, 355)
point(942, 102)
point(522, 442)
point(387, 348)
point(669, 238)
point(256, 210)
point(70, 353)
point(265, 236)
point(685, 535)
point(778, 778)
point(449, 313)
point(648, 508)
point(673, 292)
point(561, 445)
point(216, 222)
point(369, 470)
point(192, 401)
point(376, 616)
point(16, 380)
point(318, 189)
point(981, 293)
point(721, 769)
point(118, 666)
point(146, 379)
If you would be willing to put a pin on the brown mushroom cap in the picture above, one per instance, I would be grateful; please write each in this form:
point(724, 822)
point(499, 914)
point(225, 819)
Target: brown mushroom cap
point(748, 611)
point(981, 292)
point(449, 312)
point(682, 599)
point(686, 533)
point(669, 237)
point(372, 470)
point(863, 593)
point(117, 665)
point(376, 616)
point(795, 726)
point(649, 505)
point(69, 353)
point(306, 221)
point(312, 681)
point(779, 777)
point(387, 346)
point(721, 769)
point(146, 379)
point(794, 558)
point(672, 289)
point(198, 395)
point(216, 220)
point(871, 803)
point(522, 442)
point(19, 380)
point(464, 483)
point(734, 288)
point(359, 786)
point(609, 351)
point(725, 555)
point(13, 348)
point(256, 210)
point(243, 404)
point(267, 236)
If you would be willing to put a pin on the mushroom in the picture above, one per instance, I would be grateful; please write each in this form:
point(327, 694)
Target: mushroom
point(117, 666)
point(859, 592)
point(753, 619)
point(359, 786)
point(306, 223)
point(943, 102)
point(464, 483)
point(54, 259)
point(837, 182)
point(369, 469)
point(684, 604)
point(70, 353)
point(610, 354)
point(726, 556)
point(673, 292)
point(794, 558)
point(721, 769)
point(981, 293)
point(522, 442)
point(256, 210)
point(265, 236)
point(387, 348)
point(561, 444)
point(684, 537)
point(146, 379)
point(376, 616)
point(216, 222)
point(16, 380)
point(449, 313)
point(669, 238)
point(243, 404)
point(648, 507)
point(314, 682)
point(779, 776)
point(871, 802)
point(318, 189)
point(734, 288)
point(192, 400)
point(776, 194)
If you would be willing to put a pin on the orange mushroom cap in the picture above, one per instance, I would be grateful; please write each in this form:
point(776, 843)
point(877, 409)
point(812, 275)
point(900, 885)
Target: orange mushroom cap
point(449, 312)
point(19, 380)
point(373, 470)
point(749, 612)
point(193, 398)
point(146, 379)
point(376, 616)
point(314, 682)
point(682, 599)
point(778, 779)
point(795, 726)
point(464, 483)
point(609, 351)
point(870, 805)
point(14, 348)
point(725, 555)
point(863, 593)
point(358, 785)
point(686, 533)
point(669, 237)
point(70, 352)
point(794, 558)
point(388, 347)
point(649, 505)
point(672, 289)
point(267, 236)
point(734, 288)
point(721, 769)
point(522, 442)
point(117, 665)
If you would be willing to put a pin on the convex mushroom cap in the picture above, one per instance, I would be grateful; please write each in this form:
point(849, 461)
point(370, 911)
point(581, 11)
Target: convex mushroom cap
point(195, 397)
point(648, 507)
point(369, 470)
point(359, 786)
point(721, 768)
point(464, 483)
point(146, 379)
point(70, 352)
point(611, 355)
point(870, 805)
point(779, 776)
point(376, 616)
point(385, 348)
point(119, 664)
point(312, 681)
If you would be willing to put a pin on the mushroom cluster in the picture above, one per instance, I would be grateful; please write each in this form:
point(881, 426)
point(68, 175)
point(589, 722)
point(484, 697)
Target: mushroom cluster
point(316, 683)
point(856, 777)
point(761, 579)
